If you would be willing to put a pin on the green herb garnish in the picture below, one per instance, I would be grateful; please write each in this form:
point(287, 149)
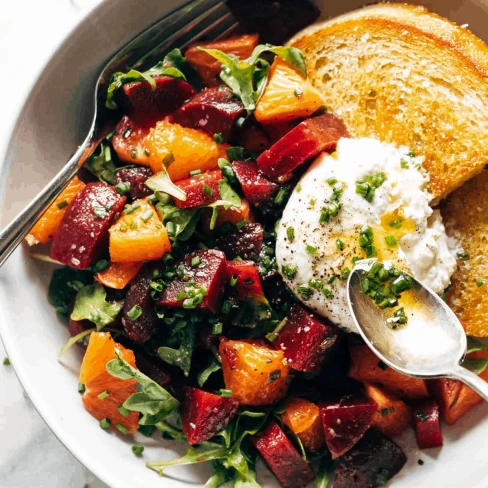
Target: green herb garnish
point(367, 186)
point(137, 449)
point(289, 271)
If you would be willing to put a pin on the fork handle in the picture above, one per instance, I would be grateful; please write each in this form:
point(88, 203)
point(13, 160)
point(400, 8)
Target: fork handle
point(479, 385)
point(14, 233)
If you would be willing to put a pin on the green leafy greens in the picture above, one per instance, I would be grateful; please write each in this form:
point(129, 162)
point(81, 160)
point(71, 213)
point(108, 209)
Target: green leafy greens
point(162, 182)
point(101, 164)
point(181, 356)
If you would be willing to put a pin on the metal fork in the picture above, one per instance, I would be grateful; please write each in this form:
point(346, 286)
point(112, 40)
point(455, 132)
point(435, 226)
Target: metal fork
point(194, 21)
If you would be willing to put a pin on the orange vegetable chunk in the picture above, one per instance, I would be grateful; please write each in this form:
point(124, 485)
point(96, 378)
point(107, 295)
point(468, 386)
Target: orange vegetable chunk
point(138, 235)
point(365, 367)
point(287, 96)
point(303, 418)
point(256, 374)
point(118, 275)
point(48, 224)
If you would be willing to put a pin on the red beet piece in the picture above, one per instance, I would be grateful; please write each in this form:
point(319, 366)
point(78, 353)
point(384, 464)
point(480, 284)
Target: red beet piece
point(427, 425)
point(244, 243)
point(204, 414)
point(83, 232)
point(137, 178)
point(142, 328)
point(370, 463)
point(248, 282)
point(147, 104)
point(129, 140)
point(302, 143)
point(208, 274)
point(256, 187)
point(282, 458)
point(76, 327)
point(306, 339)
point(153, 367)
point(213, 110)
point(200, 190)
point(345, 422)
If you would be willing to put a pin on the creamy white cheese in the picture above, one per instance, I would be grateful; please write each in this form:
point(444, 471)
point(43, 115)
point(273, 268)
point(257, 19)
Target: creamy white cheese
point(398, 213)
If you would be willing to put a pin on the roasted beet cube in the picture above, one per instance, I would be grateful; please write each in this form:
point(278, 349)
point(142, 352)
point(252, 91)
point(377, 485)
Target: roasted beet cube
point(370, 463)
point(76, 327)
point(428, 425)
point(302, 143)
point(198, 273)
point(145, 103)
point(83, 232)
point(346, 421)
point(253, 138)
point(244, 243)
point(140, 327)
point(136, 177)
point(204, 414)
point(154, 367)
point(200, 189)
point(256, 187)
point(213, 110)
point(282, 458)
point(243, 276)
point(305, 339)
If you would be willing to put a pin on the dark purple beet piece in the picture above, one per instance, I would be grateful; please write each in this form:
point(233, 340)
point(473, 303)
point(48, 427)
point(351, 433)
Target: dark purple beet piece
point(345, 422)
point(142, 328)
point(76, 327)
point(256, 187)
point(427, 425)
point(370, 463)
point(282, 458)
point(143, 102)
point(83, 232)
point(213, 110)
point(248, 282)
point(245, 243)
point(208, 274)
point(136, 177)
point(153, 367)
point(305, 340)
point(204, 414)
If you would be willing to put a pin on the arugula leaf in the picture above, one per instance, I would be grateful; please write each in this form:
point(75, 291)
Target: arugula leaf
point(174, 59)
point(324, 472)
point(219, 477)
point(293, 56)
point(153, 401)
point(73, 340)
point(474, 345)
point(184, 221)
point(228, 198)
point(90, 304)
point(212, 367)
point(100, 163)
point(171, 431)
point(162, 182)
point(181, 357)
point(476, 365)
point(64, 285)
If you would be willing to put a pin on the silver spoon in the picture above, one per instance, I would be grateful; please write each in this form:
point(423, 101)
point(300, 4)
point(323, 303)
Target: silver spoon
point(432, 343)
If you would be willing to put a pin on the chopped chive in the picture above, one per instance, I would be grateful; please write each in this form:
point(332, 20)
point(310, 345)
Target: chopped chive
point(396, 224)
point(298, 92)
point(422, 416)
point(290, 234)
point(281, 196)
point(147, 152)
point(123, 411)
point(274, 375)
point(327, 293)
point(217, 328)
point(168, 159)
point(122, 187)
point(289, 271)
point(122, 429)
point(463, 255)
point(147, 430)
point(137, 449)
point(133, 225)
point(366, 187)
point(132, 208)
point(480, 282)
point(195, 261)
point(233, 280)
point(133, 153)
point(227, 170)
point(345, 272)
point(305, 291)
point(81, 388)
point(312, 251)
point(391, 241)
point(127, 133)
point(404, 164)
point(219, 138)
point(6, 362)
point(135, 312)
point(226, 307)
point(241, 223)
point(105, 423)
point(340, 244)
point(62, 204)
point(207, 190)
point(384, 412)
point(147, 215)
point(249, 281)
point(332, 181)
point(101, 265)
point(225, 393)
point(196, 172)
point(103, 395)
point(235, 153)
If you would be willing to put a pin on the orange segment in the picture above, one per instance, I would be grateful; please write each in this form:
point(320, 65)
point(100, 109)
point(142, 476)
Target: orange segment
point(188, 149)
point(288, 95)
point(303, 418)
point(234, 215)
point(118, 275)
point(138, 235)
point(256, 374)
point(48, 224)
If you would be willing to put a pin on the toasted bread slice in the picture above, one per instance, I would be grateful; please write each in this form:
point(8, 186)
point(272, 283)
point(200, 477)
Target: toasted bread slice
point(465, 215)
point(404, 75)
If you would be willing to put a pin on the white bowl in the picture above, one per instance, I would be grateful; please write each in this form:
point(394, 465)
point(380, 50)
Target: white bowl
point(53, 121)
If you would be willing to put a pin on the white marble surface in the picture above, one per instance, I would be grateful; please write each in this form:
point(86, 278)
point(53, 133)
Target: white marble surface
point(30, 455)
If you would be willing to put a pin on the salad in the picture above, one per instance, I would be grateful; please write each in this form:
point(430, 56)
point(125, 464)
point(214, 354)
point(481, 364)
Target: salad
point(193, 327)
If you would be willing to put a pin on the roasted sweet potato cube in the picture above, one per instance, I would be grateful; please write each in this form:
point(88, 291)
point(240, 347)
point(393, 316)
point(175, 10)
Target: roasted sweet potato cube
point(200, 273)
point(254, 372)
point(204, 414)
point(345, 422)
point(83, 231)
point(136, 178)
point(392, 416)
point(200, 190)
point(305, 339)
point(129, 141)
point(145, 103)
point(48, 224)
point(365, 366)
point(371, 462)
point(213, 110)
point(118, 275)
point(257, 188)
point(302, 143)
point(208, 67)
point(244, 243)
point(244, 278)
point(303, 418)
point(138, 235)
point(427, 425)
point(282, 458)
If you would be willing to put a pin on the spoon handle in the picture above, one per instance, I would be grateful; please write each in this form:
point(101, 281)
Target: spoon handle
point(470, 379)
